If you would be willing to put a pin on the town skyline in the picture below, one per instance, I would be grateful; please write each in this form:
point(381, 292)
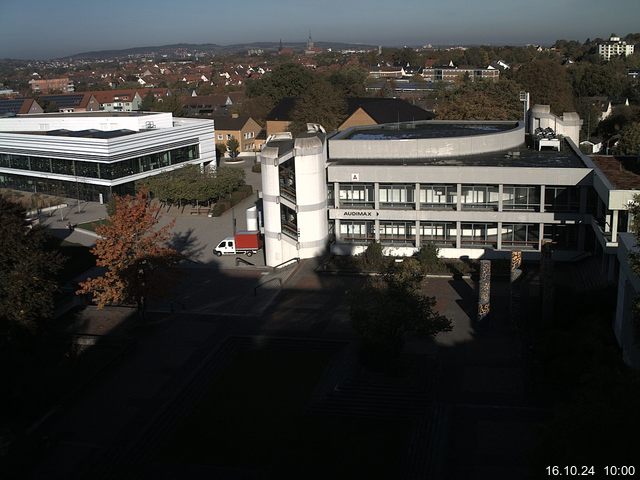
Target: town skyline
point(497, 22)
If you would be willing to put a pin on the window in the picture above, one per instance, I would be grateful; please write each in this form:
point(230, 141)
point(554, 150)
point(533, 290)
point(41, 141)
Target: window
point(398, 233)
point(289, 221)
point(562, 199)
point(397, 196)
point(479, 234)
point(521, 198)
point(483, 197)
point(564, 237)
point(520, 236)
point(357, 232)
point(438, 196)
point(356, 195)
point(229, 136)
point(220, 137)
point(442, 234)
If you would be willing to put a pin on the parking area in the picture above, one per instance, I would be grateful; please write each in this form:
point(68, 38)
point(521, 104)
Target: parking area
point(193, 235)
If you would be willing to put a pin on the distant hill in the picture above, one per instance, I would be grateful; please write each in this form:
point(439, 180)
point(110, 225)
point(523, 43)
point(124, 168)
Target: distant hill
point(207, 48)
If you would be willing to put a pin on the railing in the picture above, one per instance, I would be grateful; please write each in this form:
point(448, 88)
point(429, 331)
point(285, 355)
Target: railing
point(287, 262)
point(529, 245)
point(290, 231)
point(288, 193)
point(240, 260)
point(398, 205)
point(438, 206)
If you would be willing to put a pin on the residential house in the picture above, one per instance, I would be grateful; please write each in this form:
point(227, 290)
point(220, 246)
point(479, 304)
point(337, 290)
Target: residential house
point(19, 106)
point(207, 105)
point(118, 100)
point(71, 102)
point(360, 111)
point(51, 85)
point(243, 128)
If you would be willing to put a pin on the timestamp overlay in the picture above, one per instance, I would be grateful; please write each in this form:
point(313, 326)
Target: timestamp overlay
point(600, 471)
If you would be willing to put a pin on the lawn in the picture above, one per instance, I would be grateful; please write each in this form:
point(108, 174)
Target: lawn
point(91, 226)
point(253, 417)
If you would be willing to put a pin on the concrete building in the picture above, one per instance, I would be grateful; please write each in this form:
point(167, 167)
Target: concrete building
point(92, 155)
point(474, 189)
point(614, 48)
point(51, 85)
point(453, 74)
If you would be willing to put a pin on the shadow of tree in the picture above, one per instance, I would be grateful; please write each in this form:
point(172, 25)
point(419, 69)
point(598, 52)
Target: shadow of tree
point(186, 244)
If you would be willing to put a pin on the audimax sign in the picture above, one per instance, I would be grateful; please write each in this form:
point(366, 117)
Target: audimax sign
point(360, 213)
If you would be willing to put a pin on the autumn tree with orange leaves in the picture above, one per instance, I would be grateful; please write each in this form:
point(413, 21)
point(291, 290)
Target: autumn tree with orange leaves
point(134, 253)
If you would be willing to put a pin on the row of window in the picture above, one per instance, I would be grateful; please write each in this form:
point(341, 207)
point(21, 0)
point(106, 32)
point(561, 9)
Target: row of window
point(63, 188)
point(106, 171)
point(445, 196)
point(525, 236)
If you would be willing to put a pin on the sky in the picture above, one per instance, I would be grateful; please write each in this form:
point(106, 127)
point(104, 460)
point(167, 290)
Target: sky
point(40, 29)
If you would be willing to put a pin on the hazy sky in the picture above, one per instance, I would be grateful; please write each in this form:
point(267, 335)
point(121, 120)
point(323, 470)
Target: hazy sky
point(54, 28)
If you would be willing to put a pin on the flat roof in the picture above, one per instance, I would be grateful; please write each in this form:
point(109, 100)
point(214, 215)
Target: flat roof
point(524, 157)
point(405, 131)
point(622, 172)
point(100, 113)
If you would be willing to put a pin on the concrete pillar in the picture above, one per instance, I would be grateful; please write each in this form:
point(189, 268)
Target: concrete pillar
point(500, 199)
point(484, 290)
point(376, 229)
point(336, 229)
point(499, 236)
point(459, 198)
point(541, 237)
point(542, 198)
point(336, 194)
point(417, 197)
point(614, 226)
point(376, 195)
point(418, 242)
point(458, 233)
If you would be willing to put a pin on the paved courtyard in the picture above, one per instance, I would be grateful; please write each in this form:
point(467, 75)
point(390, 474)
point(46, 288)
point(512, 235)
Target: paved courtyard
point(480, 386)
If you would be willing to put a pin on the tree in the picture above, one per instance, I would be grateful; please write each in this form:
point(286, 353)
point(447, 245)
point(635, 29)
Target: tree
point(390, 307)
point(548, 83)
point(27, 272)
point(134, 253)
point(482, 100)
point(233, 146)
point(321, 104)
point(286, 80)
point(148, 102)
point(629, 143)
point(428, 257)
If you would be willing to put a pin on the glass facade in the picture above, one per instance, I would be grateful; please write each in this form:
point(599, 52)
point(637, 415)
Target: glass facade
point(357, 232)
point(397, 196)
point(100, 170)
point(444, 197)
point(479, 235)
point(398, 233)
point(525, 236)
point(562, 199)
point(441, 234)
point(521, 197)
point(481, 197)
point(63, 188)
point(359, 195)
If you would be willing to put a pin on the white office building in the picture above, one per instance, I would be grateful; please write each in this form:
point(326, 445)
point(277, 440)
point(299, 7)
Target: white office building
point(92, 155)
